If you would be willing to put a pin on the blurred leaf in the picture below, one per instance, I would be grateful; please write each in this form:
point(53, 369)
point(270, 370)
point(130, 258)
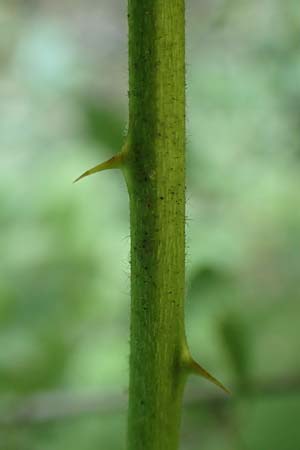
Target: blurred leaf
point(102, 122)
point(235, 337)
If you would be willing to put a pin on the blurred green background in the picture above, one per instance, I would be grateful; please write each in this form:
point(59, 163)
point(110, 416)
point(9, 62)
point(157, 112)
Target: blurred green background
point(64, 266)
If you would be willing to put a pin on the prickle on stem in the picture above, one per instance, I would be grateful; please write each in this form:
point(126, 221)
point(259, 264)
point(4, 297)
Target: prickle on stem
point(192, 367)
point(195, 368)
point(116, 162)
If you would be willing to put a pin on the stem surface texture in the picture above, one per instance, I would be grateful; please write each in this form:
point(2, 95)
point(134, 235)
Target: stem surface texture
point(155, 173)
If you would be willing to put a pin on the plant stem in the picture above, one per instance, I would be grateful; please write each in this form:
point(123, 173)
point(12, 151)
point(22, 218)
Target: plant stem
point(153, 162)
point(155, 172)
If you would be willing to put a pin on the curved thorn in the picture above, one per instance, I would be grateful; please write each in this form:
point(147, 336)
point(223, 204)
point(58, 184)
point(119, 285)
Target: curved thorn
point(113, 163)
point(195, 368)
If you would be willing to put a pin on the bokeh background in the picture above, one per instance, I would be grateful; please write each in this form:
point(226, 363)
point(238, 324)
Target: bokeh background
point(64, 265)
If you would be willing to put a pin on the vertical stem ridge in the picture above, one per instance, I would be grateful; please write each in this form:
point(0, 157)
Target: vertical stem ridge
point(156, 183)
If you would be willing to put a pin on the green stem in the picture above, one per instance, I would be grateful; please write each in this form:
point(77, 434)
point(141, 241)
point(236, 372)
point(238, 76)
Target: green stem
point(155, 172)
point(153, 162)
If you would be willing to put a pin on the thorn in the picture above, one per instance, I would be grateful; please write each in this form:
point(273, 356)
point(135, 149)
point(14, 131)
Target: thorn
point(195, 368)
point(113, 163)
